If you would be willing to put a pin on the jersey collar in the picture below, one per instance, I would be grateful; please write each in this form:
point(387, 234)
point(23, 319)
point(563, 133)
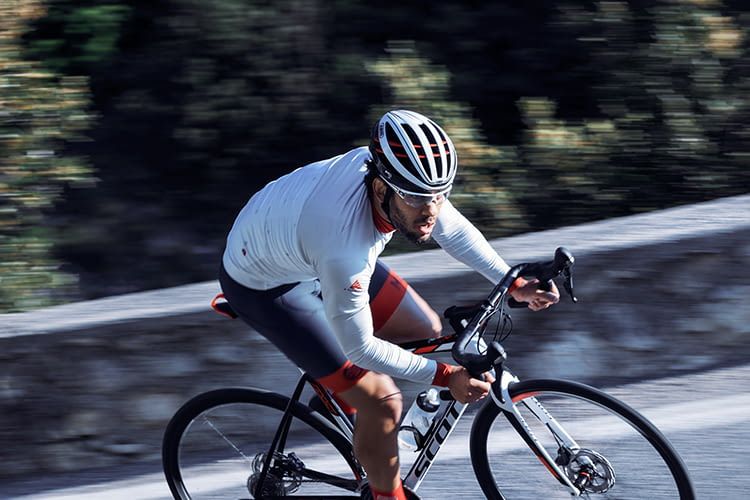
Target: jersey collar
point(381, 223)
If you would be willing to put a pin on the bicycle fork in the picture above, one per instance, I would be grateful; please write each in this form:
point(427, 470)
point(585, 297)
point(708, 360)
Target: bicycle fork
point(501, 396)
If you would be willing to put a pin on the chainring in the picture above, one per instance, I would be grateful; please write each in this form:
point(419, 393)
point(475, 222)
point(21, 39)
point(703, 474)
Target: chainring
point(283, 476)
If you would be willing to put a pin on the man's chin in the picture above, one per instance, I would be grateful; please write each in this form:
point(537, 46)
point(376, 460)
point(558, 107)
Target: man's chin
point(418, 239)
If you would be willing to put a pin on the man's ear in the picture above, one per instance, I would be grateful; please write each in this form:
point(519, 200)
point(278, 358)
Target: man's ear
point(379, 188)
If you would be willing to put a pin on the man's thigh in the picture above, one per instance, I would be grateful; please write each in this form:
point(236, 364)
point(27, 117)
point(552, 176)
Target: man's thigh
point(293, 319)
point(399, 313)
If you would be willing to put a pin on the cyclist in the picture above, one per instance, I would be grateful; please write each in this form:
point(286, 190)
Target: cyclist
point(301, 267)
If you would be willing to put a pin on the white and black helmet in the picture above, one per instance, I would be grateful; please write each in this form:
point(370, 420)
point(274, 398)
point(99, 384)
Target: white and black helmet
point(413, 153)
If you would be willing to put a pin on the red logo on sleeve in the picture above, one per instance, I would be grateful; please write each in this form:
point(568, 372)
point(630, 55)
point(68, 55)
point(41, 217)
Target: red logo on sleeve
point(355, 287)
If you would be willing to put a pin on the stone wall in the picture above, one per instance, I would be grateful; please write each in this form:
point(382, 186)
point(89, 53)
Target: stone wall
point(93, 384)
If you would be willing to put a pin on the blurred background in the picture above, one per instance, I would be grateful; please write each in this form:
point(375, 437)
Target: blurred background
point(132, 132)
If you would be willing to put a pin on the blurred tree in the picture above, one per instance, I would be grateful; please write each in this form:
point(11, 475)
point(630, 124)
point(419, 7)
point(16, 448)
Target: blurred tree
point(73, 37)
point(200, 107)
point(672, 112)
point(562, 111)
point(40, 114)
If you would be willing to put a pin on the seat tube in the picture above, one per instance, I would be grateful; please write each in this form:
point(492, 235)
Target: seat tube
point(279, 440)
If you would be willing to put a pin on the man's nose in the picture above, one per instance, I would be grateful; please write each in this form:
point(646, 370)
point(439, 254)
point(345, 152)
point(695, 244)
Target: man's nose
point(431, 209)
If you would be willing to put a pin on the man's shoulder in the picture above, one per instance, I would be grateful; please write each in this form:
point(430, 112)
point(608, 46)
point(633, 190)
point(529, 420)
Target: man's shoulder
point(356, 157)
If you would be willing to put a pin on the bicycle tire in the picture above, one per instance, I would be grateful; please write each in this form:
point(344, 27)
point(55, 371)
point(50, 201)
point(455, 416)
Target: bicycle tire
point(584, 408)
point(257, 401)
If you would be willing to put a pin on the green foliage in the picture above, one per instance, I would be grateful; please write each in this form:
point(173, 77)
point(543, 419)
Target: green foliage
point(40, 113)
point(78, 36)
point(562, 112)
point(199, 108)
point(669, 122)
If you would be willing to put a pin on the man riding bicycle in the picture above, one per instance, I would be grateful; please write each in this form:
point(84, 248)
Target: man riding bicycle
point(301, 267)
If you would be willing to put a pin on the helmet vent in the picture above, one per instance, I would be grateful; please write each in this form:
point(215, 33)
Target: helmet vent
point(418, 149)
point(437, 144)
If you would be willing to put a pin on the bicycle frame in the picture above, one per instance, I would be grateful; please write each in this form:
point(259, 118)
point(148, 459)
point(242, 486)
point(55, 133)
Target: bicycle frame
point(445, 421)
point(575, 467)
point(449, 416)
point(443, 425)
point(343, 425)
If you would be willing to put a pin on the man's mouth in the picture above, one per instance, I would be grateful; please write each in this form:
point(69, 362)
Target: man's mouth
point(425, 227)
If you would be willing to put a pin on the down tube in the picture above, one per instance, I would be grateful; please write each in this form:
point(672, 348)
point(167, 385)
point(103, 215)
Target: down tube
point(443, 427)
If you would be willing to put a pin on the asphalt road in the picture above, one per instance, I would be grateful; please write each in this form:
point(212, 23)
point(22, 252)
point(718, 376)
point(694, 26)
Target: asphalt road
point(705, 416)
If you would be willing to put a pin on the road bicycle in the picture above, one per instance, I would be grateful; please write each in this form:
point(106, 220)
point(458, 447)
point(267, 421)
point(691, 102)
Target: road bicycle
point(564, 438)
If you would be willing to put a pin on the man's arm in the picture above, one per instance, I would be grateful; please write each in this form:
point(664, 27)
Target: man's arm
point(465, 243)
point(344, 286)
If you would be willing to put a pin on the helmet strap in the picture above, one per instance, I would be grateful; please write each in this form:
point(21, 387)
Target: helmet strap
point(386, 203)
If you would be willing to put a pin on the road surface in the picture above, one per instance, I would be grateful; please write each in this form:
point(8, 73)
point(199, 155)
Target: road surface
point(705, 415)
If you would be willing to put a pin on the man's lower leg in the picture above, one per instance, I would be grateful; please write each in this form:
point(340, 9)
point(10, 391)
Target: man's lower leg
point(376, 447)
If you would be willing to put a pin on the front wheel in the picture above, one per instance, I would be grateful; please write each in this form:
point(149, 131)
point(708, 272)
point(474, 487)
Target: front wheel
point(617, 453)
point(215, 447)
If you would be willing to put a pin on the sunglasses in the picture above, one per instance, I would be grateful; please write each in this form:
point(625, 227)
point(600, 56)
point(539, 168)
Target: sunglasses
point(419, 200)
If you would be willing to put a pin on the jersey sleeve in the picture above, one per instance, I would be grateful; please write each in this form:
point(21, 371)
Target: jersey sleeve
point(465, 243)
point(344, 285)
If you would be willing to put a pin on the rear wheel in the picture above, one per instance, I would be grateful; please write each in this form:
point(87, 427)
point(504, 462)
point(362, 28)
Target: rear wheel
point(621, 455)
point(215, 447)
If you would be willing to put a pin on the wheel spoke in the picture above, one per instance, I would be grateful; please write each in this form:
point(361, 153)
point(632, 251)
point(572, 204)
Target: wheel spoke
point(208, 422)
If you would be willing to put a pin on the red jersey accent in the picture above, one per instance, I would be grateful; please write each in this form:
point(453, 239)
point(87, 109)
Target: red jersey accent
point(385, 303)
point(381, 223)
point(355, 286)
point(442, 374)
point(518, 283)
point(344, 378)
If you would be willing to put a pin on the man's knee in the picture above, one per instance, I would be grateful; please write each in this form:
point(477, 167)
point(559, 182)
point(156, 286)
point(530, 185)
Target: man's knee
point(384, 399)
point(413, 319)
point(389, 407)
point(376, 395)
point(433, 323)
point(426, 324)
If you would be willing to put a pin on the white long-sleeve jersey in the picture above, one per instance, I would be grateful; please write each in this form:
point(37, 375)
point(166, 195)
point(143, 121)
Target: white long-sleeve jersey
point(317, 223)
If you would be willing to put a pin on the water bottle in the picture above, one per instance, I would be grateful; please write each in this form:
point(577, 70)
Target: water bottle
point(418, 420)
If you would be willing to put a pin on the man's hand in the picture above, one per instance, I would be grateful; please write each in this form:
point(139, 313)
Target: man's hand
point(537, 299)
point(466, 389)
